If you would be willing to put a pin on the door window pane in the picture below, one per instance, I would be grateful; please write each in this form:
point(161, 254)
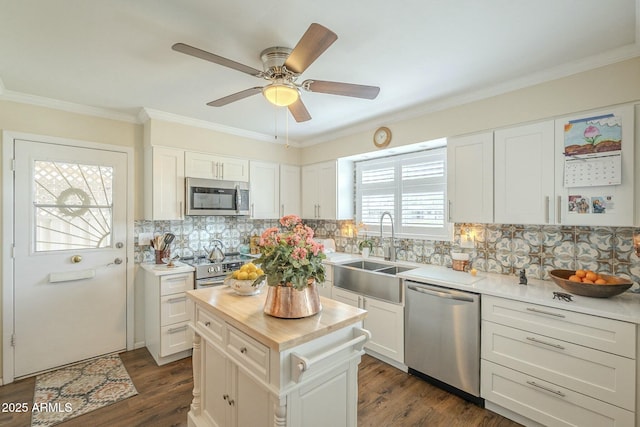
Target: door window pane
point(73, 206)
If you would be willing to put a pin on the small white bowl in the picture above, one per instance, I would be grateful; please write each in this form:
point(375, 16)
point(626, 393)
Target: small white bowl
point(244, 287)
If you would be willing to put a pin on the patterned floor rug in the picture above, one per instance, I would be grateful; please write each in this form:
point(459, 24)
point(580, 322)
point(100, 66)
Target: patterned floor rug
point(75, 390)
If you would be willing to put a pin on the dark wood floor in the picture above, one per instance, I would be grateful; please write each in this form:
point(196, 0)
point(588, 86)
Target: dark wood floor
point(387, 397)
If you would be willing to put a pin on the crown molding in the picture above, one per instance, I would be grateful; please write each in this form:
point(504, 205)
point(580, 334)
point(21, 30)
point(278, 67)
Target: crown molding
point(146, 114)
point(564, 70)
point(71, 107)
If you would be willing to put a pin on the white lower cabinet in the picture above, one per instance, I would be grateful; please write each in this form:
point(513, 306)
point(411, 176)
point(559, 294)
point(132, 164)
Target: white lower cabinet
point(231, 398)
point(545, 402)
point(324, 288)
point(384, 320)
point(168, 313)
point(557, 367)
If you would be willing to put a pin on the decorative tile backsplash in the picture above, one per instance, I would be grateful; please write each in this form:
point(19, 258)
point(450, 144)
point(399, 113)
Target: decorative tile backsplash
point(498, 248)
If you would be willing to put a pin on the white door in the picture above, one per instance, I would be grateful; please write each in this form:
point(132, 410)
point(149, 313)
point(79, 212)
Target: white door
point(70, 254)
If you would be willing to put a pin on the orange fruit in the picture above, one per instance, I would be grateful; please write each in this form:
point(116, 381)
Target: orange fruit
point(600, 282)
point(585, 280)
point(591, 276)
point(581, 273)
point(575, 278)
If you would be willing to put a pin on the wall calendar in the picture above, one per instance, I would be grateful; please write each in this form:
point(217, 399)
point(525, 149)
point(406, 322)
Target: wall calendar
point(593, 151)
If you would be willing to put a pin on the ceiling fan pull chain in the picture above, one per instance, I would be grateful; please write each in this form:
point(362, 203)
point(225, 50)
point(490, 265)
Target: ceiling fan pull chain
point(275, 119)
point(286, 121)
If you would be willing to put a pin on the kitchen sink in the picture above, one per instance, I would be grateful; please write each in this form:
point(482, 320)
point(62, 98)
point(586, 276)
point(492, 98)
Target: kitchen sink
point(367, 265)
point(395, 270)
point(369, 278)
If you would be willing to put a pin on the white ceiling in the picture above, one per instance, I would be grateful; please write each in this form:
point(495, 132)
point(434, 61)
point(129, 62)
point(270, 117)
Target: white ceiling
point(116, 56)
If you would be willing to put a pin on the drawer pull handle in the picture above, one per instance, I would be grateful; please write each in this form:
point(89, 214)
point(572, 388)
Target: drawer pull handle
point(243, 350)
point(176, 279)
point(179, 299)
point(180, 329)
point(231, 402)
point(207, 323)
point(558, 392)
point(537, 341)
point(225, 396)
point(548, 313)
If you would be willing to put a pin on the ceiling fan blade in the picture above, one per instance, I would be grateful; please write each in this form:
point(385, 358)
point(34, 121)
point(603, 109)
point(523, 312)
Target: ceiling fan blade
point(235, 97)
point(313, 43)
point(208, 56)
point(299, 111)
point(344, 89)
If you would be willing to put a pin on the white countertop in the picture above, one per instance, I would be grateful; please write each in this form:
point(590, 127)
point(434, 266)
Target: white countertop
point(162, 269)
point(625, 307)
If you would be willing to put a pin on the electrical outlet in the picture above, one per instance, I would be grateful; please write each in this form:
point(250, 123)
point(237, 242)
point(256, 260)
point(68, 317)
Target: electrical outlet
point(467, 241)
point(144, 239)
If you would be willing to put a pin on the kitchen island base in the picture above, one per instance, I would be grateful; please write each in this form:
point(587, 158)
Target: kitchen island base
point(254, 370)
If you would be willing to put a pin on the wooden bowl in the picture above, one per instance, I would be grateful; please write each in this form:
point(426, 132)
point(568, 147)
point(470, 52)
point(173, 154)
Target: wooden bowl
point(615, 285)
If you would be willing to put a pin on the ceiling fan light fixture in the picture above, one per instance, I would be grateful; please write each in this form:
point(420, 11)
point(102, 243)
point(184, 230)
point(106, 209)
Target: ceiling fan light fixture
point(281, 94)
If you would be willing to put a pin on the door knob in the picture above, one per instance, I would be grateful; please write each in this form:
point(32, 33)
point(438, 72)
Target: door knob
point(116, 261)
point(76, 259)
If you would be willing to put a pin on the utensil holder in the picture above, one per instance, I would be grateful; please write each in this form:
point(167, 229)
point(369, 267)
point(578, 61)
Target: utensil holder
point(162, 254)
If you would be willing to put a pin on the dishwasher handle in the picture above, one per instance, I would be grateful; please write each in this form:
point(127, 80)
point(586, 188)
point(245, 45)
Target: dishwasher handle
point(441, 294)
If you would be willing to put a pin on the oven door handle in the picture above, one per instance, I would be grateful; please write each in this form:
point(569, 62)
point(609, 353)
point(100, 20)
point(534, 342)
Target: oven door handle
point(205, 283)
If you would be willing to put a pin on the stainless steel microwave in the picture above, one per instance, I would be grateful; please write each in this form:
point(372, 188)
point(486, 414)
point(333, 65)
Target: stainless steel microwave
point(216, 197)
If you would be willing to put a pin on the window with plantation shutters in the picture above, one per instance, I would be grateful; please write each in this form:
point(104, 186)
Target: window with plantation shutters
point(412, 187)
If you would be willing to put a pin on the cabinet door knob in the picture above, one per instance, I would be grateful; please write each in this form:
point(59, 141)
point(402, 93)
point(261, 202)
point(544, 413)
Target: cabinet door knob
point(225, 396)
point(243, 350)
point(207, 324)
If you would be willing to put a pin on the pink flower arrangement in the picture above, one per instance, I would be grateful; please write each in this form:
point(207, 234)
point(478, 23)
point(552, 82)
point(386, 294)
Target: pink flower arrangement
point(290, 255)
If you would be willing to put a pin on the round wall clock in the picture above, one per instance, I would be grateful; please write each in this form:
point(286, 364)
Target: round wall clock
point(382, 137)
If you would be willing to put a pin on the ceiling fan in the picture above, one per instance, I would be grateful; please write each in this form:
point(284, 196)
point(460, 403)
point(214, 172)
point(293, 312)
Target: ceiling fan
point(282, 67)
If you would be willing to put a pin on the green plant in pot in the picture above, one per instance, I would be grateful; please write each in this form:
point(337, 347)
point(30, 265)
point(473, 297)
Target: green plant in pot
point(365, 246)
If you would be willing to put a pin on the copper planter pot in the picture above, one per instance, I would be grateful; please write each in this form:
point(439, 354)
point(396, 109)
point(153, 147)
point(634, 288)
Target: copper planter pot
point(289, 303)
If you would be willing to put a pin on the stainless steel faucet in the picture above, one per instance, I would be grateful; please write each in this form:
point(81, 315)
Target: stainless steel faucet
point(390, 251)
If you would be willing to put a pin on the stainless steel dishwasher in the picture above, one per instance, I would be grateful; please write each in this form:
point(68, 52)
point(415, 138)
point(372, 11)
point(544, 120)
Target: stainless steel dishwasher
point(442, 338)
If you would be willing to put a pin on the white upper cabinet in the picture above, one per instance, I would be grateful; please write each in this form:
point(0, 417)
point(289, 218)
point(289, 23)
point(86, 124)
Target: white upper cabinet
point(327, 190)
point(523, 174)
point(590, 204)
point(210, 166)
point(310, 184)
point(290, 190)
point(164, 183)
point(470, 178)
point(265, 188)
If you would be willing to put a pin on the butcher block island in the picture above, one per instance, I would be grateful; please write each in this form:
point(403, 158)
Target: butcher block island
point(252, 369)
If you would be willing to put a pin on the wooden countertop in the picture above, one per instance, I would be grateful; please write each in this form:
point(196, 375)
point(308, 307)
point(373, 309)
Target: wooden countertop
point(246, 313)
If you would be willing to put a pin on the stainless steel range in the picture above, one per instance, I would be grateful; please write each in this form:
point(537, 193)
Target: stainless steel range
point(209, 273)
